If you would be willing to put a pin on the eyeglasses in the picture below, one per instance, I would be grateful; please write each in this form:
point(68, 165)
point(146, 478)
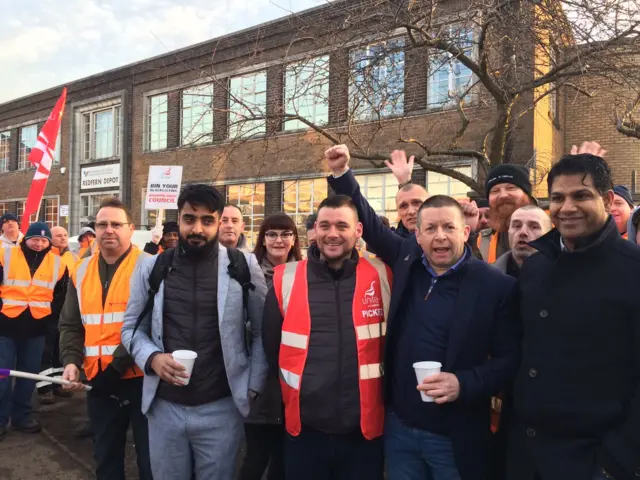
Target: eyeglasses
point(114, 225)
point(271, 235)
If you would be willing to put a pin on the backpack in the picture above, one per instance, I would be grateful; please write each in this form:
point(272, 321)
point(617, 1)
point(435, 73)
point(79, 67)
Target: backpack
point(238, 270)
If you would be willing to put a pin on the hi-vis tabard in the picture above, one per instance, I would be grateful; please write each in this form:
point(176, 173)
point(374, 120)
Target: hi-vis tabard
point(102, 324)
point(488, 245)
point(370, 308)
point(19, 291)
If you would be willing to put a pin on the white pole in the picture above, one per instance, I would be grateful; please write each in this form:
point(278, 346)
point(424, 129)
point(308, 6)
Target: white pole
point(44, 378)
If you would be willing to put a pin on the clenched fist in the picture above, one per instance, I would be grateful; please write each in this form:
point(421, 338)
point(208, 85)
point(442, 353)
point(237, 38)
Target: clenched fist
point(337, 159)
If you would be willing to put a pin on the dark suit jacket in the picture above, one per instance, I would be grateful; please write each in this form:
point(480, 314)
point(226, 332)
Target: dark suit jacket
point(484, 341)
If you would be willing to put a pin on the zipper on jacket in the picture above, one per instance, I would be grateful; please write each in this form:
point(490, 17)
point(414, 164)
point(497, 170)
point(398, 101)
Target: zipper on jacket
point(194, 332)
point(336, 284)
point(434, 280)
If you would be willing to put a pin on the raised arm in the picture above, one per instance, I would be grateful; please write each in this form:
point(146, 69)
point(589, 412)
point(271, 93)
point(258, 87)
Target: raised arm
point(381, 238)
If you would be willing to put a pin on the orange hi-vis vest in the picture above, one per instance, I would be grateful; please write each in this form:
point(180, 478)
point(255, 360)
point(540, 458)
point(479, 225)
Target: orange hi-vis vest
point(625, 236)
point(19, 291)
point(102, 323)
point(370, 308)
point(69, 259)
point(488, 246)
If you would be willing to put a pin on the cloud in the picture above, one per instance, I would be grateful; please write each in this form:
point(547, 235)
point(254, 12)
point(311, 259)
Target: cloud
point(70, 39)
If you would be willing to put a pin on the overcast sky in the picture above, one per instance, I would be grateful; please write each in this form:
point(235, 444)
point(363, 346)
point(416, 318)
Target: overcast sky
point(44, 43)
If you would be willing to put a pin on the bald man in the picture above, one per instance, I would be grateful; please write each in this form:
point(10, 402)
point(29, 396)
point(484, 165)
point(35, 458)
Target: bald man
point(60, 242)
point(527, 224)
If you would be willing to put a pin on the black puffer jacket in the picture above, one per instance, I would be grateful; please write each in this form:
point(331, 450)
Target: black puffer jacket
point(190, 322)
point(330, 395)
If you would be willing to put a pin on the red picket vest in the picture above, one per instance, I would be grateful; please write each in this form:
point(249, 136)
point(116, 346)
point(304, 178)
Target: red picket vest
point(370, 308)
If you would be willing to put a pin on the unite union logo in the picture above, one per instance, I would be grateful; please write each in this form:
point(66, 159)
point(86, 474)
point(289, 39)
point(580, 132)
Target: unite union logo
point(370, 298)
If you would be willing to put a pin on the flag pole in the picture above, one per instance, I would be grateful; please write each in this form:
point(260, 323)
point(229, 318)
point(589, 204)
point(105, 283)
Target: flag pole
point(38, 211)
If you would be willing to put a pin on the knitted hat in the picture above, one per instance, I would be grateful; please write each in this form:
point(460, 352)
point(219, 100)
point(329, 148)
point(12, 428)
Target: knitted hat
point(169, 227)
point(8, 217)
point(624, 192)
point(38, 230)
point(507, 173)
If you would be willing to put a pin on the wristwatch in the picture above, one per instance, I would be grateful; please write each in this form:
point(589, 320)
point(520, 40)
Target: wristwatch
point(404, 184)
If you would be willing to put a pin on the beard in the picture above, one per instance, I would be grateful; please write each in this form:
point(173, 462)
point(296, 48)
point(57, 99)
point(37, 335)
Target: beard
point(197, 250)
point(500, 214)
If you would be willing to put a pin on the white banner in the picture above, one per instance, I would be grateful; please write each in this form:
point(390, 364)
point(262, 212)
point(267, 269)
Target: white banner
point(163, 187)
point(100, 177)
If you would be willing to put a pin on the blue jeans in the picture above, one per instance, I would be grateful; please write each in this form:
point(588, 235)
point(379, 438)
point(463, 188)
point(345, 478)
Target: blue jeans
point(414, 454)
point(23, 355)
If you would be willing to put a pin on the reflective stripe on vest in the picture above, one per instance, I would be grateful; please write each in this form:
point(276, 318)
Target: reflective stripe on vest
point(20, 291)
point(103, 321)
point(488, 246)
point(370, 309)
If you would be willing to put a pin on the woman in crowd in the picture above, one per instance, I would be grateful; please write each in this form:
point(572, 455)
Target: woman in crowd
point(277, 243)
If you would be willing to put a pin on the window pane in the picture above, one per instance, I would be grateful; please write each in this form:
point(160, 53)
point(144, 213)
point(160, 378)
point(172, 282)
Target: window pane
point(438, 184)
point(197, 115)
point(103, 134)
point(377, 80)
point(247, 100)
point(157, 123)
point(250, 199)
point(5, 151)
point(380, 191)
point(307, 92)
point(28, 139)
point(301, 198)
point(51, 212)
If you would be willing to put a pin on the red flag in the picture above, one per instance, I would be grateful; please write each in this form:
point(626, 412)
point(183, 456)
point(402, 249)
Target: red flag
point(41, 157)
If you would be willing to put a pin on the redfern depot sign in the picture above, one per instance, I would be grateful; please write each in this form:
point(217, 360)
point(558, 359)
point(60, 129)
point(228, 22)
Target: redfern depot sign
point(100, 177)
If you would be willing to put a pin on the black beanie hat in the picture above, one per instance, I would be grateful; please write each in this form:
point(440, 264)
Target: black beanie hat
point(169, 227)
point(624, 192)
point(507, 173)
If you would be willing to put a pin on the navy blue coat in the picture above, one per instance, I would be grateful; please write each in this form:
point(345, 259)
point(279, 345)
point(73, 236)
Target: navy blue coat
point(484, 341)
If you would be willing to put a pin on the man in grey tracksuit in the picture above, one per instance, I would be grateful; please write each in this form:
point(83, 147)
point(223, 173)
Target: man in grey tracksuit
point(195, 430)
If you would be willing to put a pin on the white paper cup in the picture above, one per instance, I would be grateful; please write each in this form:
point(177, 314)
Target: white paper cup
point(186, 358)
point(424, 370)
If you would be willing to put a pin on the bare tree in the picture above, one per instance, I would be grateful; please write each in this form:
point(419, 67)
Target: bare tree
point(357, 73)
point(625, 118)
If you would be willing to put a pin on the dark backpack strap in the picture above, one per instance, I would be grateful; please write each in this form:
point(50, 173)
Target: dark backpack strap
point(158, 273)
point(239, 270)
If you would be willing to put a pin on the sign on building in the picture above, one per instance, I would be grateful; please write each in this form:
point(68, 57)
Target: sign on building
point(163, 187)
point(64, 210)
point(100, 177)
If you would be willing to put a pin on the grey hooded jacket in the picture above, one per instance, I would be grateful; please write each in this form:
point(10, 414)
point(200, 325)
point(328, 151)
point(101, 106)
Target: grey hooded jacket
point(243, 372)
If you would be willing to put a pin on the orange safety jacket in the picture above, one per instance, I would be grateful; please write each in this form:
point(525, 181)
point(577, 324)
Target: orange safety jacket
point(370, 308)
point(93, 246)
point(102, 323)
point(69, 259)
point(625, 235)
point(488, 246)
point(19, 291)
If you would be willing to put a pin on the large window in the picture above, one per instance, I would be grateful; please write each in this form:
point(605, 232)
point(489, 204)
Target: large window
point(5, 207)
point(449, 80)
point(28, 140)
point(250, 199)
point(248, 100)
point(380, 191)
point(20, 212)
point(438, 184)
point(101, 133)
point(301, 198)
point(306, 92)
point(89, 205)
point(197, 115)
point(5, 150)
point(157, 122)
point(51, 211)
point(377, 80)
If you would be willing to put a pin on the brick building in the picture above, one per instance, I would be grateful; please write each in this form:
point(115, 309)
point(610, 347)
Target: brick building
point(180, 109)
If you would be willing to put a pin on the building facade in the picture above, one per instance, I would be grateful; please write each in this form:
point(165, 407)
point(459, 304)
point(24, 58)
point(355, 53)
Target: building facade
point(219, 109)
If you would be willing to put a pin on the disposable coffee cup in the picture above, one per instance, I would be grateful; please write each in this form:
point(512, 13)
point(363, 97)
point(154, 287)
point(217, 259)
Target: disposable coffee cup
point(185, 358)
point(424, 370)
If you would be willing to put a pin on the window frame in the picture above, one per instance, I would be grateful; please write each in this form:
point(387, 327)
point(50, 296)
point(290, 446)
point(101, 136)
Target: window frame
point(205, 137)
point(386, 187)
point(319, 87)
point(256, 127)
point(446, 60)
point(23, 154)
point(87, 218)
point(298, 214)
point(5, 151)
point(157, 122)
point(251, 228)
point(467, 163)
point(371, 111)
point(89, 138)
